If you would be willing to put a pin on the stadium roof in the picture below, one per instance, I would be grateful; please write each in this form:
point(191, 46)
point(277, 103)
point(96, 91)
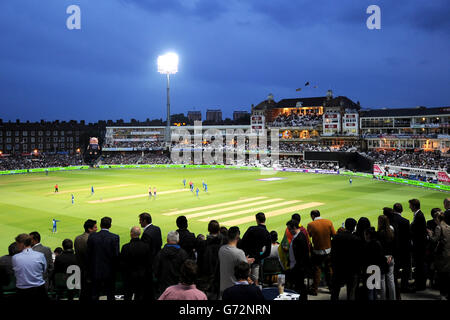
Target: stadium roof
point(405, 112)
point(308, 102)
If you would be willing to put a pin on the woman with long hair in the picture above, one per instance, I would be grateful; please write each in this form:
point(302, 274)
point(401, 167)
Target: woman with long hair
point(386, 238)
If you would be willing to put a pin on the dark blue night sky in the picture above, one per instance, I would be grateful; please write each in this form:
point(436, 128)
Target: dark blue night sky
point(233, 53)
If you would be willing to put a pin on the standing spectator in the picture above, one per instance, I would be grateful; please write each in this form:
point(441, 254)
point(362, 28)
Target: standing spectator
point(387, 240)
point(345, 254)
point(283, 249)
point(208, 261)
point(429, 256)
point(103, 254)
point(66, 258)
point(362, 225)
point(80, 244)
point(56, 252)
point(243, 290)
point(186, 289)
point(36, 245)
point(151, 235)
point(321, 231)
point(187, 238)
point(29, 268)
point(441, 239)
point(229, 257)
point(255, 239)
point(299, 259)
point(373, 256)
point(275, 244)
point(168, 262)
point(6, 266)
point(402, 250)
point(224, 233)
point(63, 261)
point(135, 259)
point(419, 239)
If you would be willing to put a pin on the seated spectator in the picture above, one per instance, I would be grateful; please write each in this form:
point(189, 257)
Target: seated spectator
point(243, 289)
point(186, 289)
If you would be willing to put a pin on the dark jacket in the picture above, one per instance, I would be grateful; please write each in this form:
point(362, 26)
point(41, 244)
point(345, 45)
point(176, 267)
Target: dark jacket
point(346, 253)
point(134, 260)
point(253, 241)
point(187, 242)
point(64, 260)
point(402, 234)
point(208, 263)
point(373, 255)
point(103, 254)
point(243, 292)
point(152, 236)
point(419, 234)
point(301, 253)
point(167, 264)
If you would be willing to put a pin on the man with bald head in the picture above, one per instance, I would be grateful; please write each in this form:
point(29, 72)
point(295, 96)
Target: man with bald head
point(134, 258)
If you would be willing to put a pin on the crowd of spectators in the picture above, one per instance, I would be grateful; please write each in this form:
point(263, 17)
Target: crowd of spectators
point(433, 160)
point(292, 162)
point(133, 158)
point(297, 120)
point(40, 161)
point(224, 265)
point(301, 147)
point(146, 145)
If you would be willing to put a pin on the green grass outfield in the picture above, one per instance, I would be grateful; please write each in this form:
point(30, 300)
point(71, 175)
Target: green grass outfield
point(28, 203)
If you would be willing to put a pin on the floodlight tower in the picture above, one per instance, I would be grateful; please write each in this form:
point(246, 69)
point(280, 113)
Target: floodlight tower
point(168, 64)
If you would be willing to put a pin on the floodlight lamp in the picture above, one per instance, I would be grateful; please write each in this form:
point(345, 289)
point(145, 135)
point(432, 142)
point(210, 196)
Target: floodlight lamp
point(168, 63)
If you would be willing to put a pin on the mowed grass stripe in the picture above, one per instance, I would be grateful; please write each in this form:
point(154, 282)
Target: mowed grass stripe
point(269, 214)
point(251, 210)
point(135, 196)
point(222, 204)
point(88, 189)
point(253, 204)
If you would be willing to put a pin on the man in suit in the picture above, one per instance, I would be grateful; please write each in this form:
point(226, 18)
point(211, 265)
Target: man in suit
point(103, 253)
point(402, 249)
point(345, 260)
point(419, 236)
point(299, 259)
point(243, 290)
point(90, 226)
point(36, 245)
point(134, 260)
point(151, 235)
